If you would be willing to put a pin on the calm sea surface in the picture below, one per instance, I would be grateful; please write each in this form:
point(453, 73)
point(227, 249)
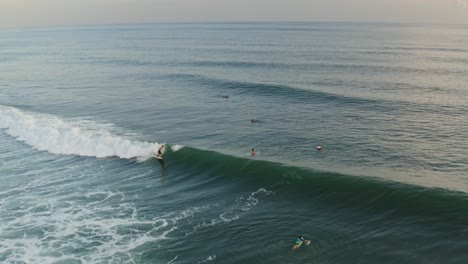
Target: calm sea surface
point(82, 110)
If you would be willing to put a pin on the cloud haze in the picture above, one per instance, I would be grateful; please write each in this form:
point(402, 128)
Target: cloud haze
point(463, 3)
point(25, 13)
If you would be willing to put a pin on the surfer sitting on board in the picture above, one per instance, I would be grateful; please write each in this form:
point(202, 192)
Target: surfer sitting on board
point(254, 152)
point(160, 152)
point(299, 241)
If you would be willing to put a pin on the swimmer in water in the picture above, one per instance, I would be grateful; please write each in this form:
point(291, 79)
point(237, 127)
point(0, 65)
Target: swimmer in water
point(299, 241)
point(319, 148)
point(254, 152)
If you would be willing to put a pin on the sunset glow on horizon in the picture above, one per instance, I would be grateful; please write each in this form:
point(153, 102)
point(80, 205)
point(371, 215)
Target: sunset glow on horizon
point(31, 13)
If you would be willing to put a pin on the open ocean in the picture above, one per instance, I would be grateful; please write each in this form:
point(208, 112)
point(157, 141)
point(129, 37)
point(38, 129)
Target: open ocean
point(83, 108)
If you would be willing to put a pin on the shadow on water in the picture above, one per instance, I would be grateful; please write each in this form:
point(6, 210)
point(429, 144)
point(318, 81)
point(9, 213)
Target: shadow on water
point(163, 168)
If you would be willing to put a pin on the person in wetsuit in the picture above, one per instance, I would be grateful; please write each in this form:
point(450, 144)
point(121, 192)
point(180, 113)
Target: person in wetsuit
point(299, 241)
point(160, 151)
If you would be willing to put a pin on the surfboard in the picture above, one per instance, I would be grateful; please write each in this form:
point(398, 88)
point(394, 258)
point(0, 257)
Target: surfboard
point(296, 246)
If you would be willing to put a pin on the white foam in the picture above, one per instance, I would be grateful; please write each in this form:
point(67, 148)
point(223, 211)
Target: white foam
point(235, 211)
point(209, 258)
point(176, 147)
point(59, 136)
point(106, 232)
point(172, 261)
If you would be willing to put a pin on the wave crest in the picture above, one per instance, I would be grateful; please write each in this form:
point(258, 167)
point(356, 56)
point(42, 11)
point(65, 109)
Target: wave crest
point(59, 136)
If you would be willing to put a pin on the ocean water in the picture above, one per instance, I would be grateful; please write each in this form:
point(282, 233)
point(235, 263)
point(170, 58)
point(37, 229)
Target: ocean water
point(82, 110)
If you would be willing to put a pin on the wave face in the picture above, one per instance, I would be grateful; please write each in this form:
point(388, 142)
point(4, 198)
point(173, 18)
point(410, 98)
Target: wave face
point(387, 102)
point(59, 136)
point(359, 192)
point(87, 138)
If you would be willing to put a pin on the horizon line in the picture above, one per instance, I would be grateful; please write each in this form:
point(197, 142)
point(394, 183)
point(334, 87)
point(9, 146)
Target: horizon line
point(229, 22)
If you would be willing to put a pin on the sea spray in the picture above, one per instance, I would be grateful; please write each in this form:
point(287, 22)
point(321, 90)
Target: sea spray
point(60, 136)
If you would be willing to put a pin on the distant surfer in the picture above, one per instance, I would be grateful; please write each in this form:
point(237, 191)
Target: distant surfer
point(254, 152)
point(160, 152)
point(253, 120)
point(225, 96)
point(319, 148)
point(299, 241)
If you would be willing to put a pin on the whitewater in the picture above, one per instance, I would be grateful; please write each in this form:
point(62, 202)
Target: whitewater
point(82, 110)
point(59, 136)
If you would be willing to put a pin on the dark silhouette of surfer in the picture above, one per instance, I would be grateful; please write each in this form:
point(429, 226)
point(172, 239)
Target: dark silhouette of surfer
point(254, 152)
point(160, 152)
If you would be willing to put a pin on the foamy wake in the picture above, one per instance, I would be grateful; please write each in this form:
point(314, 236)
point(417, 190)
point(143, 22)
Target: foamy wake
point(59, 136)
point(234, 211)
point(209, 258)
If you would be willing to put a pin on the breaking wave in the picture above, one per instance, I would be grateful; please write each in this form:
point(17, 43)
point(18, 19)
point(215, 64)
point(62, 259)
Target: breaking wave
point(59, 136)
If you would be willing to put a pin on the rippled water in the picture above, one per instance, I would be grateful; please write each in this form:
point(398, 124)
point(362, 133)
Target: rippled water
point(82, 110)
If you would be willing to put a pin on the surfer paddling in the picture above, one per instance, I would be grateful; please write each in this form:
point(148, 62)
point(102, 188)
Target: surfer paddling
point(160, 152)
point(299, 241)
point(254, 152)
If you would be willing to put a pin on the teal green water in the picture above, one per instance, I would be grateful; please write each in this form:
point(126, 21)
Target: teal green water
point(83, 109)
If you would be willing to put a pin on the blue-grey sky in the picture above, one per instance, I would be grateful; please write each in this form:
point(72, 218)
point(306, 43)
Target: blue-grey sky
point(26, 13)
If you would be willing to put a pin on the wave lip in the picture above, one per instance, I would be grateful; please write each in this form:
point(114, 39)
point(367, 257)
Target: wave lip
point(84, 138)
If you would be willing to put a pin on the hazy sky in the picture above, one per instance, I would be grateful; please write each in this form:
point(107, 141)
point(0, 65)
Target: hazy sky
point(25, 13)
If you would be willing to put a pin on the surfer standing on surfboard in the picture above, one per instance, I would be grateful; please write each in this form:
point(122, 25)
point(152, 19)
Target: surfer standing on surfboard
point(160, 152)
